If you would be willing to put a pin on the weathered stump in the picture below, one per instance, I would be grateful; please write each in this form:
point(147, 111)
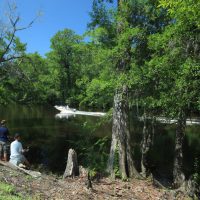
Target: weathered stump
point(72, 168)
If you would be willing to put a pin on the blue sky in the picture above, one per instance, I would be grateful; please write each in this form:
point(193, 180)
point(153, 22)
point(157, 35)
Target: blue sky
point(57, 15)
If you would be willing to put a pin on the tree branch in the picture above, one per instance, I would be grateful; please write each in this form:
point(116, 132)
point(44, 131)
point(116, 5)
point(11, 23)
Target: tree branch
point(10, 58)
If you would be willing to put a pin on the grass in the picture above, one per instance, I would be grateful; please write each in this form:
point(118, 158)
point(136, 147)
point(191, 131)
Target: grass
point(7, 192)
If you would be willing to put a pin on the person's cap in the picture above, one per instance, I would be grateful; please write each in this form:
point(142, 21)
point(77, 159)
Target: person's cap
point(17, 135)
point(3, 122)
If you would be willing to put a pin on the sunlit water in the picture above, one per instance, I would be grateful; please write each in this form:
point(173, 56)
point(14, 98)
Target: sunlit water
point(50, 138)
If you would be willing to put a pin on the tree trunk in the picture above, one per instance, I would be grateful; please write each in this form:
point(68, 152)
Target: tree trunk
point(120, 130)
point(72, 168)
point(121, 137)
point(147, 142)
point(113, 150)
point(178, 174)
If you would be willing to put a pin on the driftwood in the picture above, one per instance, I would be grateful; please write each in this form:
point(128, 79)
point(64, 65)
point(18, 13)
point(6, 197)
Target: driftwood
point(72, 168)
point(34, 174)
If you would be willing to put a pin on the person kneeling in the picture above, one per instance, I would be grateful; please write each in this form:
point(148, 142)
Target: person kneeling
point(16, 153)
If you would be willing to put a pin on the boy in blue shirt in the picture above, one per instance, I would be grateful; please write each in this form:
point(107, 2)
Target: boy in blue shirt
point(3, 141)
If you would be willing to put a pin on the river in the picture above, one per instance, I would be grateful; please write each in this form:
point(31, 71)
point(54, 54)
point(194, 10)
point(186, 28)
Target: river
point(50, 138)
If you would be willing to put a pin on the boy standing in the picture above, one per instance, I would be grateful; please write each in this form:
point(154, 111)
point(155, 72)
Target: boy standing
point(3, 141)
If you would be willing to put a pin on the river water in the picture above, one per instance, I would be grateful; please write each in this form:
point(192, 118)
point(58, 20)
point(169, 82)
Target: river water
point(50, 138)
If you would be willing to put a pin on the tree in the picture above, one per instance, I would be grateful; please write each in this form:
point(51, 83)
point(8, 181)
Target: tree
point(63, 46)
point(175, 62)
point(10, 46)
point(29, 81)
point(12, 53)
point(139, 20)
point(120, 130)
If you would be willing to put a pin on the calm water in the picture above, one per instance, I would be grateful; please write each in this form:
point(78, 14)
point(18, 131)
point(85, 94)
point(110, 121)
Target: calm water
point(50, 138)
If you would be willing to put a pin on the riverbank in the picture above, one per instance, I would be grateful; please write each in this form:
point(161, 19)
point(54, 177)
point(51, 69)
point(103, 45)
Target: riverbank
point(54, 187)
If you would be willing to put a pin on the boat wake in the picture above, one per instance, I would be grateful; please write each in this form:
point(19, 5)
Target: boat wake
point(66, 112)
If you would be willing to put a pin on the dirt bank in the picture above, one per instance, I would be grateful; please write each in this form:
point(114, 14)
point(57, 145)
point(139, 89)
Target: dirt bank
point(52, 187)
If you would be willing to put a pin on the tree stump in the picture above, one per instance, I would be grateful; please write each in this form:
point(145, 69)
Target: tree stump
point(72, 168)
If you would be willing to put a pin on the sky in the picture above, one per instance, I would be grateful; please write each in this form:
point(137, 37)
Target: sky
point(56, 15)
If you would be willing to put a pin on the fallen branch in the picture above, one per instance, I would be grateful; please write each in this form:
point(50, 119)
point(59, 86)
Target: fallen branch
point(34, 174)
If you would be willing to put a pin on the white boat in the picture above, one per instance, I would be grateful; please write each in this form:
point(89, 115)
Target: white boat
point(65, 110)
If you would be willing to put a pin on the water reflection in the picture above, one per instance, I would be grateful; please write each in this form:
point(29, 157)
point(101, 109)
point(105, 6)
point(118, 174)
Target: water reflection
point(64, 116)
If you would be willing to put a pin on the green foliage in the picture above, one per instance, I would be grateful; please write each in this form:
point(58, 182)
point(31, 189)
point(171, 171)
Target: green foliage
point(28, 81)
point(7, 192)
point(99, 92)
point(185, 11)
point(7, 188)
point(92, 153)
point(156, 40)
point(62, 57)
point(175, 66)
point(102, 27)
